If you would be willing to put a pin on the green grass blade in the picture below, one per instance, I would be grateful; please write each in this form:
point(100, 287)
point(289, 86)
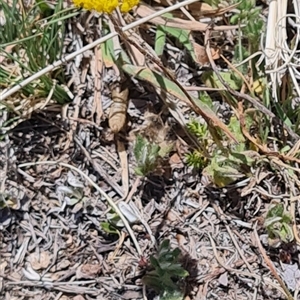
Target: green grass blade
point(183, 36)
point(160, 40)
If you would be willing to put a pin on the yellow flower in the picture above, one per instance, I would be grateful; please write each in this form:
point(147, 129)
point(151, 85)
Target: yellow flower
point(127, 5)
point(106, 6)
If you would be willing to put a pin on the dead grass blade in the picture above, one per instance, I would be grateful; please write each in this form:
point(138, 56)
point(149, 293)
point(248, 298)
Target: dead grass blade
point(199, 9)
point(144, 10)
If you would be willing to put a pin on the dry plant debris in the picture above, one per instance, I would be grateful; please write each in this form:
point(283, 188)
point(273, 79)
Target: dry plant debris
point(149, 153)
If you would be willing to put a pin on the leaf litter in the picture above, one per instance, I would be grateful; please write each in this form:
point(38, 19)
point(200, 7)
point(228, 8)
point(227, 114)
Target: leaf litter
point(52, 242)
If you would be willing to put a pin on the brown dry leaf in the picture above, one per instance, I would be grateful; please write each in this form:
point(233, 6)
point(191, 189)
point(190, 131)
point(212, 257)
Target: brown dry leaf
point(129, 295)
point(8, 49)
point(87, 271)
point(78, 297)
point(201, 56)
point(41, 261)
point(98, 67)
point(144, 11)
point(3, 265)
point(182, 241)
point(61, 265)
point(199, 9)
point(136, 56)
point(175, 161)
point(118, 109)
point(172, 216)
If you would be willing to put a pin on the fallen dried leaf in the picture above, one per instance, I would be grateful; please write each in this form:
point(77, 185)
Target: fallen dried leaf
point(171, 216)
point(64, 298)
point(79, 297)
point(132, 295)
point(39, 261)
point(88, 271)
point(61, 265)
point(199, 9)
point(118, 109)
point(201, 56)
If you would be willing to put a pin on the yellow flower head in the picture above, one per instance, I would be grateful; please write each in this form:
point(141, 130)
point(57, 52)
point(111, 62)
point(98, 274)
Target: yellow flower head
point(127, 5)
point(106, 6)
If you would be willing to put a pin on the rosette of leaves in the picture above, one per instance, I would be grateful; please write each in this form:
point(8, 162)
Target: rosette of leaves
point(166, 273)
point(279, 225)
point(148, 155)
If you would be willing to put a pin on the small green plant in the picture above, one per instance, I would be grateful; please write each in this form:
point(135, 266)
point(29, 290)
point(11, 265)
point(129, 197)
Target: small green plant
point(166, 272)
point(198, 157)
point(279, 225)
point(148, 155)
point(249, 17)
point(222, 165)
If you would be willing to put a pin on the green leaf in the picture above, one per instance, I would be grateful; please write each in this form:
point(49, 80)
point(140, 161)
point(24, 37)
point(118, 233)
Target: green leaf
point(167, 270)
point(172, 295)
point(235, 127)
point(46, 8)
point(114, 219)
point(108, 53)
point(275, 211)
point(182, 35)
point(278, 224)
point(164, 246)
point(239, 159)
point(286, 233)
point(146, 155)
point(211, 80)
point(109, 228)
point(205, 98)
point(160, 41)
point(225, 168)
point(282, 115)
point(153, 281)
